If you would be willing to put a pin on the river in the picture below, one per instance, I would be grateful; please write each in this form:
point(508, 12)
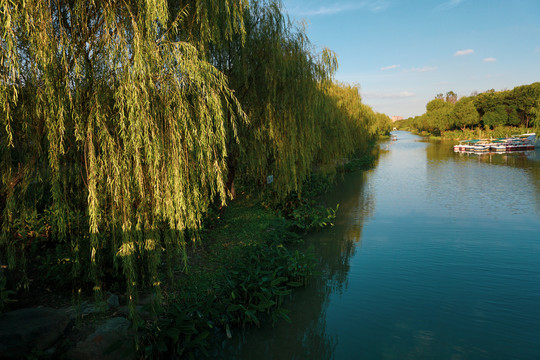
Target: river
point(434, 255)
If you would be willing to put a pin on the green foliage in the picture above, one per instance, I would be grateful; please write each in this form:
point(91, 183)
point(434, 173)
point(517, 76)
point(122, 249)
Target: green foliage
point(492, 108)
point(304, 211)
point(123, 122)
point(465, 114)
point(311, 216)
point(299, 118)
point(4, 292)
point(438, 117)
point(480, 132)
point(436, 104)
point(249, 283)
point(497, 116)
point(114, 131)
point(535, 112)
point(513, 116)
point(364, 162)
point(451, 97)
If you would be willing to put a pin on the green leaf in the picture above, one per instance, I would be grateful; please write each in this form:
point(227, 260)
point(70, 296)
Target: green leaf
point(161, 346)
point(234, 307)
point(173, 333)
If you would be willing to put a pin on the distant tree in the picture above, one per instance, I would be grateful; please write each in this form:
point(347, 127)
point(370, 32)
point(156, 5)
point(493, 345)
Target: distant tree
point(451, 97)
point(497, 116)
point(465, 113)
point(523, 100)
point(487, 101)
point(383, 123)
point(491, 108)
point(512, 116)
point(438, 117)
point(535, 113)
point(435, 104)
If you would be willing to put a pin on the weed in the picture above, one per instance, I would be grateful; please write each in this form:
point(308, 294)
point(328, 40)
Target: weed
point(248, 276)
point(4, 293)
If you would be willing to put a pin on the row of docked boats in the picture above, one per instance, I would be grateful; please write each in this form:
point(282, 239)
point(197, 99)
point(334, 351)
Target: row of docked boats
point(523, 142)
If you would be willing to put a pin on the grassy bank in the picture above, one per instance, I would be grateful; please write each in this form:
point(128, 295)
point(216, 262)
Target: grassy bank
point(241, 270)
point(478, 133)
point(497, 132)
point(241, 276)
point(245, 270)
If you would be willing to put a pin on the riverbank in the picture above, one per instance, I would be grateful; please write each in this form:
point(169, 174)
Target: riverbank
point(240, 272)
point(424, 262)
point(478, 133)
point(240, 276)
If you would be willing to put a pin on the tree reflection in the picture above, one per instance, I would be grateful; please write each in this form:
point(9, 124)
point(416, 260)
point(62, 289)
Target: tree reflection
point(445, 165)
point(306, 336)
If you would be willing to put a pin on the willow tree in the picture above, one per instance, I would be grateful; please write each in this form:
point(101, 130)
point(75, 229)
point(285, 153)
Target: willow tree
point(299, 118)
point(348, 125)
point(277, 79)
point(114, 129)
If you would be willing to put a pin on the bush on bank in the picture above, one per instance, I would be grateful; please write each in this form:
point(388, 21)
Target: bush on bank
point(241, 276)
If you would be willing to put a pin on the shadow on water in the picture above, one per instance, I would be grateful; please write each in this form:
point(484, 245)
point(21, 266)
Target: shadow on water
point(517, 173)
point(306, 337)
point(433, 255)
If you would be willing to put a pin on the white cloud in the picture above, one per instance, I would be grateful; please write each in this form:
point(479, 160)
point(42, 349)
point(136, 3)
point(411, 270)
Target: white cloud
point(372, 5)
point(463, 52)
point(490, 59)
point(379, 5)
point(422, 69)
point(379, 95)
point(449, 4)
point(390, 67)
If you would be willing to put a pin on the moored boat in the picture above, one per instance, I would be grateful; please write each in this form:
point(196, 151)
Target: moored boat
point(481, 147)
point(522, 142)
point(466, 145)
point(497, 147)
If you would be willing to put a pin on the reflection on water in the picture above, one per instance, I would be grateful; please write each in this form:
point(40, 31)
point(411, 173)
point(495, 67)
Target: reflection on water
point(434, 255)
point(306, 337)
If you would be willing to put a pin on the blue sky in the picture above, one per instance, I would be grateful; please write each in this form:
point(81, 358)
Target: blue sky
point(402, 53)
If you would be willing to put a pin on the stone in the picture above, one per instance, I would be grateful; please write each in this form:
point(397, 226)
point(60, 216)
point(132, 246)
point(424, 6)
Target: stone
point(113, 301)
point(26, 330)
point(112, 340)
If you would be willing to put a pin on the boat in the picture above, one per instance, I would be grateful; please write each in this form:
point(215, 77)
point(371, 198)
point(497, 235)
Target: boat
point(521, 142)
point(470, 145)
point(467, 145)
point(498, 147)
point(481, 147)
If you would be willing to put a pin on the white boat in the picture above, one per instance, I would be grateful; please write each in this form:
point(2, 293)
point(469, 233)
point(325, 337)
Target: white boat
point(498, 147)
point(465, 146)
point(481, 147)
point(522, 142)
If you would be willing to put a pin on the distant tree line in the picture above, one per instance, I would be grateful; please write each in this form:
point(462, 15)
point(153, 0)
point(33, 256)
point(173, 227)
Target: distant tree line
point(517, 107)
point(123, 121)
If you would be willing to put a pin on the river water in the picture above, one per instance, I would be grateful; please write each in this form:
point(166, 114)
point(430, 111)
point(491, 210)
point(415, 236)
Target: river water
point(434, 255)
